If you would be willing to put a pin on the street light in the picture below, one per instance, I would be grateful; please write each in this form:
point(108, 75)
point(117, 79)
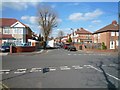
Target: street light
point(73, 35)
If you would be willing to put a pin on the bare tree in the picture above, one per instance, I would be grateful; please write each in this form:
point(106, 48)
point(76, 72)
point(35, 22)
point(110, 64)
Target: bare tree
point(47, 20)
point(60, 35)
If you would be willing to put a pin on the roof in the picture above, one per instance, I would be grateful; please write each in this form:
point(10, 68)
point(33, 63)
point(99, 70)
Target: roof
point(8, 22)
point(82, 31)
point(111, 27)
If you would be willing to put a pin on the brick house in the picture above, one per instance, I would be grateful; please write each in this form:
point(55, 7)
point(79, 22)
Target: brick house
point(108, 34)
point(81, 36)
point(12, 30)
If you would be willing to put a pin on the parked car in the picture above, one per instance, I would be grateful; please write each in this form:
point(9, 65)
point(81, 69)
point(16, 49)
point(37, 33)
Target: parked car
point(65, 46)
point(71, 48)
point(5, 47)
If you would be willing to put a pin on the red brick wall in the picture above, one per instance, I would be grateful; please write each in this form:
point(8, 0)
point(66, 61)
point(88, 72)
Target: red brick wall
point(0, 42)
point(19, 49)
point(77, 46)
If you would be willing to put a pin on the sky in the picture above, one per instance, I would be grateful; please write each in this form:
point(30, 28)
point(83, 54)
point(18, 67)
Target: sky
point(89, 15)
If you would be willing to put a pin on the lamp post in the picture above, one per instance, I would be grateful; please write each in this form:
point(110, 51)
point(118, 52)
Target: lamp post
point(73, 35)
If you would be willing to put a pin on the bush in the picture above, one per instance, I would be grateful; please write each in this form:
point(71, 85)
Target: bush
point(69, 40)
point(103, 46)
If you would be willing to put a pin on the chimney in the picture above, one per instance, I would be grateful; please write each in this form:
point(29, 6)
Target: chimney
point(114, 22)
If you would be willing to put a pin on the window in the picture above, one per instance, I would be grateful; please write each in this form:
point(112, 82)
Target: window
point(18, 30)
point(6, 31)
point(117, 33)
point(116, 42)
point(98, 36)
point(112, 33)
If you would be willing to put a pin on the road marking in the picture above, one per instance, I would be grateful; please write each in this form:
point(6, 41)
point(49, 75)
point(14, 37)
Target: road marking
point(35, 70)
point(77, 67)
point(104, 65)
point(52, 69)
point(69, 54)
point(65, 68)
point(106, 73)
point(20, 71)
point(4, 71)
point(112, 65)
point(74, 54)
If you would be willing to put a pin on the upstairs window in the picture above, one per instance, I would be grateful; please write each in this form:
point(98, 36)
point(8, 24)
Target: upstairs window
point(6, 31)
point(112, 33)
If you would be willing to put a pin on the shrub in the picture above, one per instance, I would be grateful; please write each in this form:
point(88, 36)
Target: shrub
point(103, 46)
point(70, 39)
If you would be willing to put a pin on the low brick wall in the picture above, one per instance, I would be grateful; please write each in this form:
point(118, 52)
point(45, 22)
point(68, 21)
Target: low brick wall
point(78, 46)
point(18, 49)
point(97, 50)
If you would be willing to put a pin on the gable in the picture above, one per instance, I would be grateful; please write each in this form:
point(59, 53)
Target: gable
point(17, 24)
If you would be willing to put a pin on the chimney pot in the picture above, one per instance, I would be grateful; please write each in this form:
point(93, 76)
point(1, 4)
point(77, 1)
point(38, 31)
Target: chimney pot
point(114, 22)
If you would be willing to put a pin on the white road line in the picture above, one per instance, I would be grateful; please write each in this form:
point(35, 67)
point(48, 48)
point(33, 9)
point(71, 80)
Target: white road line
point(104, 65)
point(106, 73)
point(52, 69)
point(20, 71)
point(35, 70)
point(74, 54)
point(64, 68)
point(4, 71)
point(69, 54)
point(77, 67)
point(112, 65)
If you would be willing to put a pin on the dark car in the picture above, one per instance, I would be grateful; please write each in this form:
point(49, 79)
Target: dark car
point(65, 46)
point(5, 47)
point(71, 48)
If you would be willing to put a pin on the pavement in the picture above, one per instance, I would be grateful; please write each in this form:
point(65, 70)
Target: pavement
point(24, 53)
point(66, 70)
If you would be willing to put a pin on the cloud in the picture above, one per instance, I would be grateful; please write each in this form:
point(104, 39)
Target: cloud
point(96, 21)
point(53, 6)
point(85, 16)
point(73, 4)
point(31, 19)
point(19, 4)
point(59, 20)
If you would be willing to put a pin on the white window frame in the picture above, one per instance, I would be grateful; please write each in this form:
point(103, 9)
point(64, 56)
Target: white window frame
point(112, 33)
point(117, 42)
point(117, 33)
point(6, 29)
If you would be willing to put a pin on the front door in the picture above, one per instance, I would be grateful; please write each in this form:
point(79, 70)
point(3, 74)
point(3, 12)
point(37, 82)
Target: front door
point(112, 45)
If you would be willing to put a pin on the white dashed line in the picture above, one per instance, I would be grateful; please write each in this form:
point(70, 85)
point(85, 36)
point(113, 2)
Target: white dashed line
point(112, 65)
point(4, 71)
point(69, 54)
point(52, 69)
point(64, 68)
point(20, 71)
point(35, 70)
point(77, 67)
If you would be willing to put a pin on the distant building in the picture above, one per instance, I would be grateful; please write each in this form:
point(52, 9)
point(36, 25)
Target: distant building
point(81, 36)
point(12, 30)
point(108, 34)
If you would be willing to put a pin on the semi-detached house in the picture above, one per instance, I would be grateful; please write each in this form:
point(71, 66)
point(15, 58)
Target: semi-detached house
point(12, 30)
point(109, 35)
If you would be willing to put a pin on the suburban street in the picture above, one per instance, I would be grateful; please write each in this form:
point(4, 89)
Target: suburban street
point(66, 70)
